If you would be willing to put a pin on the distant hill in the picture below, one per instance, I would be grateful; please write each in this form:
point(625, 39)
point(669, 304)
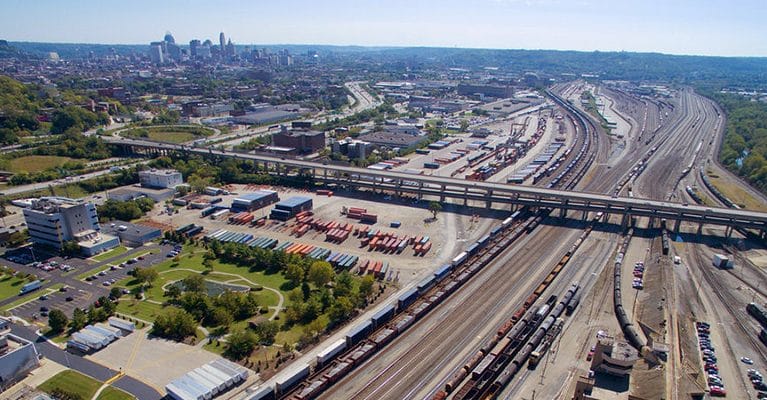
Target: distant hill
point(7, 50)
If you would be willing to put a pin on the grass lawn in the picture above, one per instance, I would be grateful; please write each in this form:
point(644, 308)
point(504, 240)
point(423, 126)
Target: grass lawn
point(140, 309)
point(37, 163)
point(10, 286)
point(111, 253)
point(72, 382)
point(111, 393)
point(169, 134)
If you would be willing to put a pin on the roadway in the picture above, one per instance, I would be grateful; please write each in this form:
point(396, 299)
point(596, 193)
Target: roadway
point(443, 187)
point(13, 190)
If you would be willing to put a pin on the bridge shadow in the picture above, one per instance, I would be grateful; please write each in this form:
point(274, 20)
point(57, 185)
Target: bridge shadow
point(412, 201)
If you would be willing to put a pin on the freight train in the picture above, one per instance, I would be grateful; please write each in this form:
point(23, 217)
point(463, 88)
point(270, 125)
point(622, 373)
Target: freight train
point(727, 202)
point(511, 329)
point(368, 337)
point(758, 312)
point(524, 340)
point(629, 331)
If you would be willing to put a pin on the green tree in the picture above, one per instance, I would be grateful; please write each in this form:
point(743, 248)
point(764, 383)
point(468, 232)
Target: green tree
point(366, 286)
point(464, 125)
point(241, 344)
point(115, 293)
point(174, 324)
point(435, 207)
point(219, 316)
point(146, 275)
point(320, 273)
point(341, 310)
point(57, 320)
point(295, 273)
point(267, 331)
point(173, 292)
point(70, 248)
point(79, 320)
point(194, 283)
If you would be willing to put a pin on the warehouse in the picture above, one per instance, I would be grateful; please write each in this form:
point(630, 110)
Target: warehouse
point(132, 235)
point(254, 201)
point(207, 381)
point(287, 209)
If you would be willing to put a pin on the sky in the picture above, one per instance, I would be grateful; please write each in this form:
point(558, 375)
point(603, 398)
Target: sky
point(700, 27)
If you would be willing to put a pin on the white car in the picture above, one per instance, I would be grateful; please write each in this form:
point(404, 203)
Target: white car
point(747, 360)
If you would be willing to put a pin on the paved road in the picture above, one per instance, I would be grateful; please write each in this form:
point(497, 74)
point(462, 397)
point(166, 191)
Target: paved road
point(11, 190)
point(131, 385)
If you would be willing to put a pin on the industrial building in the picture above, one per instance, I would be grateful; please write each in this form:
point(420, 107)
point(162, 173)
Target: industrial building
point(54, 220)
point(160, 178)
point(352, 148)
point(613, 357)
point(254, 201)
point(96, 337)
point(133, 235)
point(395, 137)
point(128, 193)
point(303, 140)
point(496, 91)
point(207, 381)
point(18, 357)
point(287, 209)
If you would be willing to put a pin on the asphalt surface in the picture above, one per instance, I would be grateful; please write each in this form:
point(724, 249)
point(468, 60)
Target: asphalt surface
point(87, 367)
point(83, 293)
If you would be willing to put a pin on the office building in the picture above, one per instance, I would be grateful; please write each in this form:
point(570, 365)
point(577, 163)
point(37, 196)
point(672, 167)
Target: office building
point(222, 41)
point(54, 220)
point(193, 46)
point(160, 178)
point(156, 52)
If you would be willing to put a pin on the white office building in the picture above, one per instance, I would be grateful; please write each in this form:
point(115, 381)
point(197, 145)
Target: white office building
point(54, 220)
point(160, 178)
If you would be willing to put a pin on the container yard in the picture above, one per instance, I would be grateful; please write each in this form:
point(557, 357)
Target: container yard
point(388, 240)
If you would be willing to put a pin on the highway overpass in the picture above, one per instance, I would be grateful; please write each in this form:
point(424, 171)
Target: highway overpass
point(494, 195)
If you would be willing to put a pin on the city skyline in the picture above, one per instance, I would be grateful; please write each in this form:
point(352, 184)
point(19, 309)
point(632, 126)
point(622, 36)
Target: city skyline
point(684, 27)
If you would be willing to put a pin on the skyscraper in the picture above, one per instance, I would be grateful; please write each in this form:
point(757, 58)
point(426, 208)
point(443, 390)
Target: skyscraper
point(156, 52)
point(169, 38)
point(193, 45)
point(222, 41)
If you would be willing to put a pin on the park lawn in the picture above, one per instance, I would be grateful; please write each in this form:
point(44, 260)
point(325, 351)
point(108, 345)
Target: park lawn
point(111, 393)
point(169, 134)
point(111, 253)
point(72, 382)
point(171, 137)
point(143, 310)
point(37, 163)
point(10, 286)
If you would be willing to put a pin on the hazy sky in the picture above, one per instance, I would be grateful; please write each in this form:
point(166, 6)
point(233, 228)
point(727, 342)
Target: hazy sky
point(708, 27)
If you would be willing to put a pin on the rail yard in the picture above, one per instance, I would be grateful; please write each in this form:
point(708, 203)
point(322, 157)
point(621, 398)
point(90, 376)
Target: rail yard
point(521, 304)
point(501, 292)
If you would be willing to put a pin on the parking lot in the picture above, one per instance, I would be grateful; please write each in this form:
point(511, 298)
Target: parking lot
point(72, 274)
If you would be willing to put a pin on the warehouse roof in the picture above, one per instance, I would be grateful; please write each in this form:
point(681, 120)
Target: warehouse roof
point(294, 201)
point(255, 196)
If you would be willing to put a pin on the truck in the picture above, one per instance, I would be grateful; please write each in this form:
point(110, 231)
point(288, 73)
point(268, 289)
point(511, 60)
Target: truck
point(30, 287)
